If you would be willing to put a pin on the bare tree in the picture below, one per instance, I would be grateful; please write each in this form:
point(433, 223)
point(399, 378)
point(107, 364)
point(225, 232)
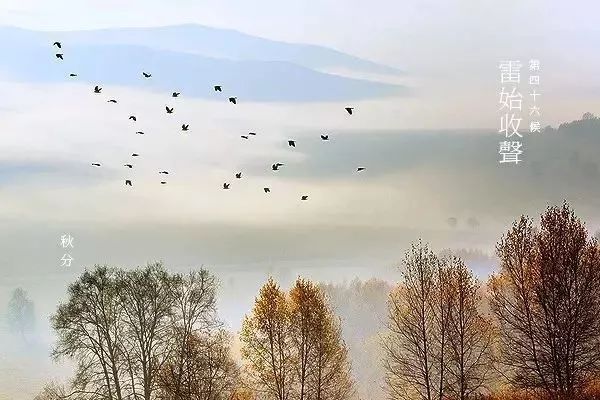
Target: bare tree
point(411, 352)
point(89, 328)
point(20, 313)
point(470, 334)
point(547, 301)
point(146, 301)
point(207, 373)
point(194, 319)
point(123, 326)
point(438, 344)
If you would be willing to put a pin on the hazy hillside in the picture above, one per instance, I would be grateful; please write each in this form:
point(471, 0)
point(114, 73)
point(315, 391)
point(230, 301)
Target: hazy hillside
point(187, 58)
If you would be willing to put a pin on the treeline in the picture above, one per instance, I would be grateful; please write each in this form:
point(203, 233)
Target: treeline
point(531, 332)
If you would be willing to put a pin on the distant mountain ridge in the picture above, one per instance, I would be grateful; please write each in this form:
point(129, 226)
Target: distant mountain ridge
point(197, 56)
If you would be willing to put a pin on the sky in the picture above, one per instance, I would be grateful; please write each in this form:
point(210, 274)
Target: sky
point(429, 143)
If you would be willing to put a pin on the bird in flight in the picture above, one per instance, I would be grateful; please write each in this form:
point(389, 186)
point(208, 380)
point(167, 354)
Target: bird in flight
point(175, 94)
point(218, 88)
point(276, 166)
point(349, 110)
point(169, 110)
point(128, 182)
point(267, 190)
point(244, 137)
point(163, 182)
point(252, 133)
point(59, 55)
point(133, 118)
point(238, 175)
point(185, 127)
point(135, 155)
point(226, 186)
point(57, 44)
point(325, 137)
point(139, 132)
point(128, 166)
point(164, 172)
point(360, 169)
point(233, 100)
point(112, 101)
point(72, 75)
point(304, 198)
point(146, 75)
point(96, 164)
point(292, 143)
point(97, 89)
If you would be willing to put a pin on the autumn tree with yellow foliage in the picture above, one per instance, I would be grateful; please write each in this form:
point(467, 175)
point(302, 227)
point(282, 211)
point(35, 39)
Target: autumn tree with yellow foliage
point(292, 345)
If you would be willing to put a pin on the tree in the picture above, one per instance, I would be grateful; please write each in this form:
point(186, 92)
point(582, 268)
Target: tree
point(121, 327)
point(323, 370)
point(293, 347)
point(266, 343)
point(438, 343)
point(146, 302)
point(90, 331)
point(588, 116)
point(546, 298)
point(21, 317)
point(193, 321)
point(411, 352)
point(470, 334)
point(207, 373)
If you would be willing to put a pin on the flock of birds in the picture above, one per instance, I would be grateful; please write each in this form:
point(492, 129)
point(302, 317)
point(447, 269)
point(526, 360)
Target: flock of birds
point(186, 127)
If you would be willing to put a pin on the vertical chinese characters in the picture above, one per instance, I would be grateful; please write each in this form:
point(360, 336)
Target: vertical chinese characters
point(534, 82)
point(66, 241)
point(511, 104)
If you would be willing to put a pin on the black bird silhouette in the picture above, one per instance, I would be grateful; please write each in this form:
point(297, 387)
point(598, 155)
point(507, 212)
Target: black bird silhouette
point(57, 44)
point(218, 89)
point(135, 155)
point(97, 89)
point(244, 137)
point(349, 109)
point(164, 172)
point(252, 133)
point(238, 175)
point(360, 169)
point(128, 182)
point(146, 75)
point(292, 143)
point(112, 101)
point(226, 186)
point(185, 127)
point(325, 137)
point(59, 55)
point(169, 110)
point(95, 164)
point(128, 166)
point(175, 94)
point(233, 100)
point(276, 166)
point(163, 182)
point(304, 197)
point(267, 190)
point(72, 75)
point(140, 132)
point(133, 118)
